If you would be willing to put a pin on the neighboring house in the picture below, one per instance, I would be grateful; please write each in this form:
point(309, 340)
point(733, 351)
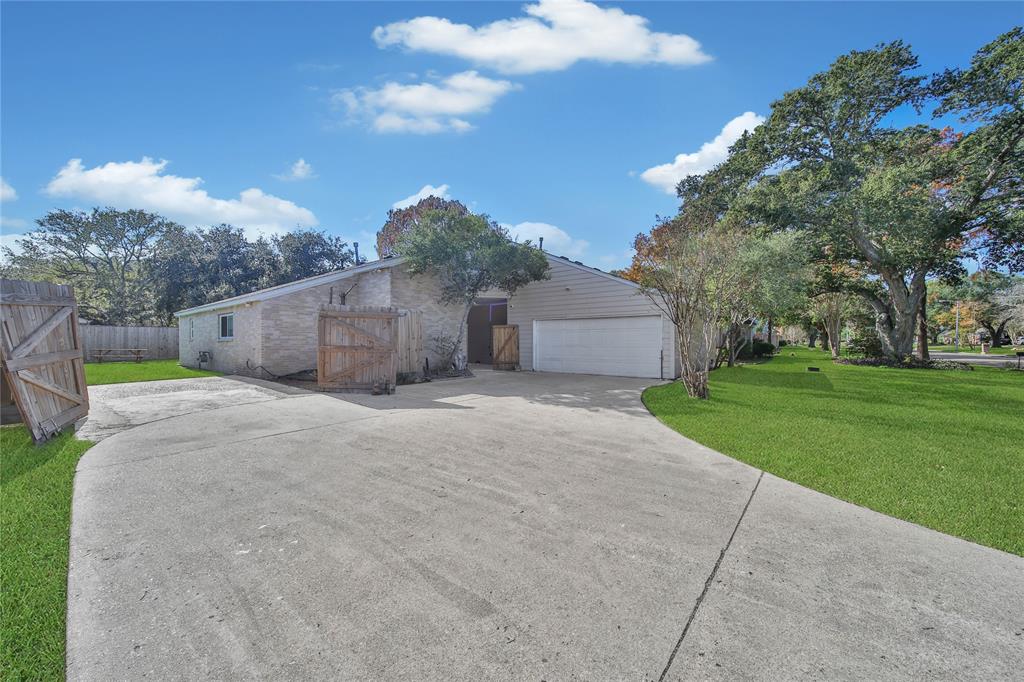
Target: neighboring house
point(581, 320)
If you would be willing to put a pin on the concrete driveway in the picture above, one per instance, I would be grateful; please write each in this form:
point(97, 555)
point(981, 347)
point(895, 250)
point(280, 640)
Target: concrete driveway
point(510, 526)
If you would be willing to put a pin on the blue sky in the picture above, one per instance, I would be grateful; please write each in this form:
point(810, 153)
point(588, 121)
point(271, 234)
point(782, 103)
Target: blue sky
point(547, 120)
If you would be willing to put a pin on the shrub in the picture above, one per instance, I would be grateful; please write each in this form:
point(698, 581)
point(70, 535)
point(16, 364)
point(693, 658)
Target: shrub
point(865, 343)
point(757, 349)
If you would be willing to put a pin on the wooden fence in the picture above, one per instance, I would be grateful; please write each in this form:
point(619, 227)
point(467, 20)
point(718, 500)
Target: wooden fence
point(42, 355)
point(160, 342)
point(410, 341)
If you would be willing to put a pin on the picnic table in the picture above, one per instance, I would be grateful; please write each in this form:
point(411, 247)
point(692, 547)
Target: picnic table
point(136, 354)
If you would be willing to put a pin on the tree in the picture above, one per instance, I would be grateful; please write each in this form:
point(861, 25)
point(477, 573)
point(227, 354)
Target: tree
point(892, 205)
point(102, 253)
point(196, 266)
point(402, 220)
point(306, 253)
point(831, 309)
point(689, 268)
point(991, 93)
point(469, 254)
point(778, 276)
point(1012, 299)
point(983, 290)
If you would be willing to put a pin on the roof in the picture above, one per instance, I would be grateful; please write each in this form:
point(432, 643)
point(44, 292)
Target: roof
point(292, 287)
point(335, 275)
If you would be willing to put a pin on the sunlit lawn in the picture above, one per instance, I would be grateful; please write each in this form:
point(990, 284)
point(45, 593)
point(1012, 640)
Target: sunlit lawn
point(148, 370)
point(35, 515)
point(939, 448)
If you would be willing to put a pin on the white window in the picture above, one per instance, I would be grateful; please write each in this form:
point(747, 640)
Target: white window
point(191, 328)
point(226, 325)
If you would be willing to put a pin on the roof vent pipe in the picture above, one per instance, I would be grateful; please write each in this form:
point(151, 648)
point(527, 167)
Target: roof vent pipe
point(356, 245)
point(541, 243)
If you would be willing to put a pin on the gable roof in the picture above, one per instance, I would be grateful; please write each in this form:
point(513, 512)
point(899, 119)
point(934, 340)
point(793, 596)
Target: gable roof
point(292, 287)
point(336, 275)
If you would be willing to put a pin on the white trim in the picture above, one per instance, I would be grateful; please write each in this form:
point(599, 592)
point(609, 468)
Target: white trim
point(220, 327)
point(291, 287)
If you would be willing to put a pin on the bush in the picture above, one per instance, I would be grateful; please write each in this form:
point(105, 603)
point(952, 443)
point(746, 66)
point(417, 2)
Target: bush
point(783, 342)
point(865, 343)
point(757, 349)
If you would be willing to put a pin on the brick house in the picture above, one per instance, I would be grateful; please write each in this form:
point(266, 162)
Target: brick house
point(580, 320)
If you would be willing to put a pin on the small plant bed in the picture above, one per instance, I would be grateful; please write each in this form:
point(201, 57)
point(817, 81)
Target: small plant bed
point(35, 514)
point(148, 370)
point(938, 448)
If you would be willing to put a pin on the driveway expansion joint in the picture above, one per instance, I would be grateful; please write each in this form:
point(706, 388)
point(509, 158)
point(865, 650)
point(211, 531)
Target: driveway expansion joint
point(710, 579)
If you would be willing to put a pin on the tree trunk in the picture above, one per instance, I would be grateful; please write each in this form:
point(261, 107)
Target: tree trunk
point(694, 373)
point(834, 338)
point(922, 333)
point(896, 316)
point(824, 339)
point(812, 337)
point(770, 326)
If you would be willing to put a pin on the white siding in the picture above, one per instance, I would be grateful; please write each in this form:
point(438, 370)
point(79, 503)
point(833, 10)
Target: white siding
point(574, 293)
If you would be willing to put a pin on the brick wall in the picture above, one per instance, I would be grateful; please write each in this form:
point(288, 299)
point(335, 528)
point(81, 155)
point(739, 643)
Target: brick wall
point(200, 332)
point(421, 292)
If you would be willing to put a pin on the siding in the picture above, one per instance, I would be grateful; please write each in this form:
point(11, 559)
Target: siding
point(575, 293)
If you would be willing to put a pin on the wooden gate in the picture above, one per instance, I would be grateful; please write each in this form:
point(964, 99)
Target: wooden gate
point(42, 355)
point(506, 346)
point(358, 348)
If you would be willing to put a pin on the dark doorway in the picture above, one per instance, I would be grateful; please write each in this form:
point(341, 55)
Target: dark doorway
point(482, 316)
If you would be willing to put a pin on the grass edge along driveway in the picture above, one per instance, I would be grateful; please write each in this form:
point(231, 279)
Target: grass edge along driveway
point(99, 373)
point(937, 448)
point(35, 516)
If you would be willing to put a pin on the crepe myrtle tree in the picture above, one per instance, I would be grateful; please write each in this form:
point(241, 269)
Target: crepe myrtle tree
point(469, 254)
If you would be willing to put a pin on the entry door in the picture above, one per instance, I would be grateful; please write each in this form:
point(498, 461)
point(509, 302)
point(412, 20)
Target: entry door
point(616, 346)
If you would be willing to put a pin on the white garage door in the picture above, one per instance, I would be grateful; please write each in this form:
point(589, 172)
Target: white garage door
point(619, 346)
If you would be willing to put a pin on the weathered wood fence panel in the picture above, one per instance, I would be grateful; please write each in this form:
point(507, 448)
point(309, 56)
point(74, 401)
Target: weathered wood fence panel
point(410, 341)
point(42, 355)
point(357, 348)
point(161, 343)
point(506, 346)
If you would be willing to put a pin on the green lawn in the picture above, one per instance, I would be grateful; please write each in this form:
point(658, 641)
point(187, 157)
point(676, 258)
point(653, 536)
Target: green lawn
point(1002, 350)
point(35, 514)
point(97, 373)
point(939, 448)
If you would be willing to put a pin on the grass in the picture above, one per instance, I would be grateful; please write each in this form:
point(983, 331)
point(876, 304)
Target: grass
point(939, 448)
point(35, 516)
point(1002, 350)
point(97, 373)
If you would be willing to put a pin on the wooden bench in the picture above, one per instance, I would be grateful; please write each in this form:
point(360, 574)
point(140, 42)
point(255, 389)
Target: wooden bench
point(136, 354)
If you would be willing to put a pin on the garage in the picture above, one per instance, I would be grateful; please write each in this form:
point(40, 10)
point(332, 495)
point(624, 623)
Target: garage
point(617, 346)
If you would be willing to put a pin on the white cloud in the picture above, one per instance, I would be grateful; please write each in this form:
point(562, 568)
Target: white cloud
point(143, 184)
point(7, 192)
point(667, 175)
point(441, 192)
point(555, 35)
point(423, 107)
point(556, 240)
point(300, 170)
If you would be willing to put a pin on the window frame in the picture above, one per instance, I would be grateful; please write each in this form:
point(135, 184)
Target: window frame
point(220, 326)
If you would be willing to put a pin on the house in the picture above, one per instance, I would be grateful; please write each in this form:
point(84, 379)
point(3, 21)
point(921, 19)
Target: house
point(581, 320)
